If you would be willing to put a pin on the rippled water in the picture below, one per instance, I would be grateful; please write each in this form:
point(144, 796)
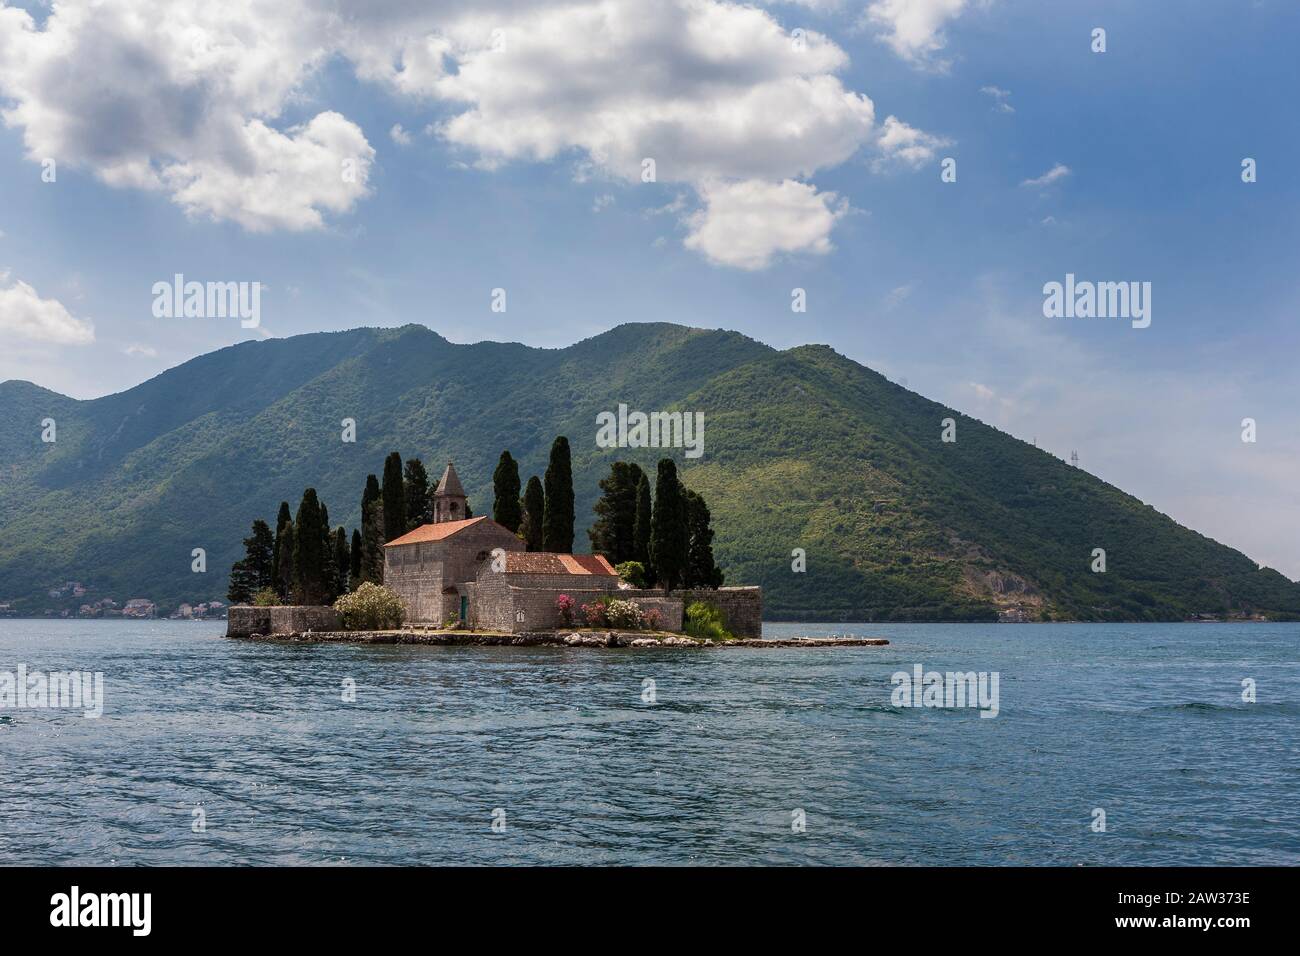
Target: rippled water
point(1144, 721)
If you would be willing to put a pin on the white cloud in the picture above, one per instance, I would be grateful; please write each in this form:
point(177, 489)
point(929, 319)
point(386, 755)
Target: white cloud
point(142, 351)
point(602, 202)
point(746, 224)
point(187, 97)
point(1000, 97)
point(1056, 173)
point(179, 95)
point(25, 314)
point(904, 144)
point(914, 28)
point(400, 136)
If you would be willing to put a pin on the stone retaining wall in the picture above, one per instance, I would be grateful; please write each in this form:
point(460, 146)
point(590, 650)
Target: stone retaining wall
point(285, 619)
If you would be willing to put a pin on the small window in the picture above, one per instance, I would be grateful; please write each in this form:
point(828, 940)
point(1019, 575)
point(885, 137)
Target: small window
point(453, 506)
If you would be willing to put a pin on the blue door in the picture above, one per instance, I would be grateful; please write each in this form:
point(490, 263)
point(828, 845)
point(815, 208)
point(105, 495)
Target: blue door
point(464, 608)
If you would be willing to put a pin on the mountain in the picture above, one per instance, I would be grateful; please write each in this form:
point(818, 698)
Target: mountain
point(804, 449)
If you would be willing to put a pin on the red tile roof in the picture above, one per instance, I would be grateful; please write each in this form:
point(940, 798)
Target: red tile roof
point(545, 562)
point(435, 532)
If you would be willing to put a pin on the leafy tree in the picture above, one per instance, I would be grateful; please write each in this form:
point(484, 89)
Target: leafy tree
point(633, 572)
point(354, 561)
point(533, 508)
point(613, 533)
point(415, 483)
point(255, 570)
point(669, 536)
point(505, 493)
point(372, 533)
point(309, 562)
point(641, 526)
point(701, 571)
point(394, 495)
point(283, 518)
point(557, 515)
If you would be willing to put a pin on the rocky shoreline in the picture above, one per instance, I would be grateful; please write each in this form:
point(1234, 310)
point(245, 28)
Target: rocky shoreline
point(551, 639)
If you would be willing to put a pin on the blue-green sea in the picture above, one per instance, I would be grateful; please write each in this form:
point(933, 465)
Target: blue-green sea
point(213, 751)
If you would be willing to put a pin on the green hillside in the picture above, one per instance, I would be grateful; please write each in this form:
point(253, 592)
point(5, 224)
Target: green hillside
point(803, 449)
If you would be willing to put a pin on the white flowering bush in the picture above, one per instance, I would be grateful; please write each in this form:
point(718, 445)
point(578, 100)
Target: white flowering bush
point(371, 607)
point(624, 614)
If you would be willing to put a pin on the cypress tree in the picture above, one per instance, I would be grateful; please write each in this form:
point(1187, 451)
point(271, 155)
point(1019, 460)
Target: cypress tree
point(284, 566)
point(668, 532)
point(419, 510)
point(701, 572)
point(372, 532)
point(613, 532)
point(557, 515)
point(354, 561)
point(394, 494)
point(309, 562)
point(505, 488)
point(282, 518)
point(641, 525)
point(330, 568)
point(342, 561)
point(533, 507)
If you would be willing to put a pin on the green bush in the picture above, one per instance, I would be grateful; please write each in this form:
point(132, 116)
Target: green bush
point(633, 572)
point(265, 598)
point(371, 607)
point(705, 622)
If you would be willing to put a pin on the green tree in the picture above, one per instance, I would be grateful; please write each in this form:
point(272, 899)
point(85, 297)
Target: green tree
point(342, 561)
point(415, 483)
point(284, 569)
point(701, 571)
point(330, 568)
point(641, 526)
point(278, 582)
point(394, 494)
point(557, 515)
point(533, 508)
point(668, 532)
point(372, 533)
point(309, 561)
point(506, 510)
point(613, 533)
point(256, 569)
point(354, 561)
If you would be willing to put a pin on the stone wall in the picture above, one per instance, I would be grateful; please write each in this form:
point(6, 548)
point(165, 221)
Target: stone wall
point(286, 619)
point(742, 607)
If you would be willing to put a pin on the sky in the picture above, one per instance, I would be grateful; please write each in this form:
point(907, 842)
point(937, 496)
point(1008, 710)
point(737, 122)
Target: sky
point(394, 161)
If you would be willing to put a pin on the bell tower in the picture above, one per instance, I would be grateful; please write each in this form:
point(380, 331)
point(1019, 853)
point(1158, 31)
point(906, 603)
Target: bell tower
point(449, 501)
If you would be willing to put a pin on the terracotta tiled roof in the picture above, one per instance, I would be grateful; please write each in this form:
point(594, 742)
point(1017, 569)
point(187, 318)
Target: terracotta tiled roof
point(545, 562)
point(435, 532)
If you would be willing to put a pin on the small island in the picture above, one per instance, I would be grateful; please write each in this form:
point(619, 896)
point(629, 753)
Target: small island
point(460, 579)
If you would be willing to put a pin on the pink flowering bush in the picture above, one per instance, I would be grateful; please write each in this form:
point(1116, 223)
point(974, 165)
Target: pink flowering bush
point(594, 614)
point(565, 604)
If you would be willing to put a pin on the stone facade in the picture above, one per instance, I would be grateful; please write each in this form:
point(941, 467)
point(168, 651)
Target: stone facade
point(431, 576)
point(741, 607)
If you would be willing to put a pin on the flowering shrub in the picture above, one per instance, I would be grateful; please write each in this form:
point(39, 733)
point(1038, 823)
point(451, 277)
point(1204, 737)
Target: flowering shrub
point(371, 607)
point(624, 614)
point(565, 604)
point(653, 619)
point(594, 614)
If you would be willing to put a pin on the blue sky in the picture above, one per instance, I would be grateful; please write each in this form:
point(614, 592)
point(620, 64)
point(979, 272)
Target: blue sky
point(187, 144)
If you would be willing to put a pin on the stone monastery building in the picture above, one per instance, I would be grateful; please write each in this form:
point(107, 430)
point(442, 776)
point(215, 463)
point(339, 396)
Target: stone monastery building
point(477, 573)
